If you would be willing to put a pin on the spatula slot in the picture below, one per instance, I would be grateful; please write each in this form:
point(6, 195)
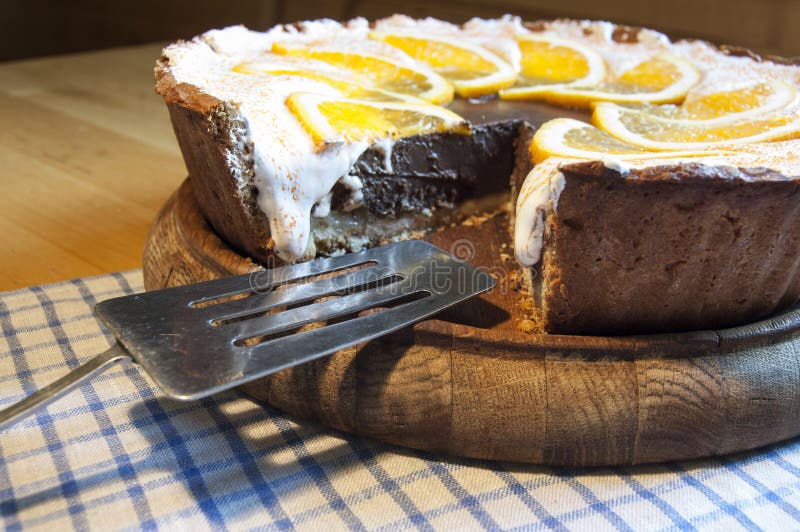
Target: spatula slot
point(220, 299)
point(370, 306)
point(367, 284)
point(276, 280)
point(297, 295)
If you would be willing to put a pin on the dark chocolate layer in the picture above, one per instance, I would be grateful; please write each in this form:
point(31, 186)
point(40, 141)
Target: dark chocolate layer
point(430, 171)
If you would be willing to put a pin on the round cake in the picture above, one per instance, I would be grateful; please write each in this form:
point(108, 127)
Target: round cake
point(653, 185)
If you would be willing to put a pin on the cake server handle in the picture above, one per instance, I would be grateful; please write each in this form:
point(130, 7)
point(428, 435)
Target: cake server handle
point(54, 390)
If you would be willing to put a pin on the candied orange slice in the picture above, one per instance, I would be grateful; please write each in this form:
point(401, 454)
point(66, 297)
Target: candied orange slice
point(332, 120)
point(350, 86)
point(655, 133)
point(549, 63)
point(664, 78)
point(566, 137)
point(751, 100)
point(474, 71)
point(384, 73)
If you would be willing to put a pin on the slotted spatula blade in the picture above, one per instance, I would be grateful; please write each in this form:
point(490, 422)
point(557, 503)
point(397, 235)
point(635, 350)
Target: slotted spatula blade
point(200, 339)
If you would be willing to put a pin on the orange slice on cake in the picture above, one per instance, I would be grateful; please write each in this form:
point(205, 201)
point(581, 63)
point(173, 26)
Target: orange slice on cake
point(473, 70)
point(655, 133)
point(549, 63)
point(566, 137)
point(385, 73)
point(664, 78)
point(751, 100)
point(333, 120)
point(347, 83)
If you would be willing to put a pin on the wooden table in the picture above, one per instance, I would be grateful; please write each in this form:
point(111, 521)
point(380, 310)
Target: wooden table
point(87, 157)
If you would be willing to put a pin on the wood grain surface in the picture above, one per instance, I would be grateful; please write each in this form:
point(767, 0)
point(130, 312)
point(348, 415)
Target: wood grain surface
point(88, 157)
point(471, 383)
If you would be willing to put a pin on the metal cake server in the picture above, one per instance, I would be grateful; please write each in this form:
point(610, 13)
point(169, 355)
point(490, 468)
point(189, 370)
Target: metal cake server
point(200, 339)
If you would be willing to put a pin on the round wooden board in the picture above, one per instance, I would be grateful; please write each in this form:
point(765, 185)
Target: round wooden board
point(471, 383)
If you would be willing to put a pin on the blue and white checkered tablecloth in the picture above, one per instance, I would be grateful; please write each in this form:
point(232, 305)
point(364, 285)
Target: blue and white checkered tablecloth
point(116, 454)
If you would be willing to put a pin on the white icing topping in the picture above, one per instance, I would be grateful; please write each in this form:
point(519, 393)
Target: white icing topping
point(385, 146)
point(288, 192)
point(617, 165)
point(323, 206)
point(355, 186)
point(539, 191)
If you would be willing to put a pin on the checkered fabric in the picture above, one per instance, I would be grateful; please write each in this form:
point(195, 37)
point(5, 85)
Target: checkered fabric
point(116, 454)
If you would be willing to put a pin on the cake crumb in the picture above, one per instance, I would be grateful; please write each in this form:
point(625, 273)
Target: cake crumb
point(526, 305)
point(527, 326)
point(516, 280)
point(476, 220)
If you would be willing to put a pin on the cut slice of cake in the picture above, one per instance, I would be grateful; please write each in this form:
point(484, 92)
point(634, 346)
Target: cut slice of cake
point(662, 244)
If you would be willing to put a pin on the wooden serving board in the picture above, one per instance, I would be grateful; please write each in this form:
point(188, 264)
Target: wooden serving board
point(472, 383)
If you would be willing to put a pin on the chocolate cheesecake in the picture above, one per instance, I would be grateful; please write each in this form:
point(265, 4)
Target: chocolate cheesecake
point(611, 246)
